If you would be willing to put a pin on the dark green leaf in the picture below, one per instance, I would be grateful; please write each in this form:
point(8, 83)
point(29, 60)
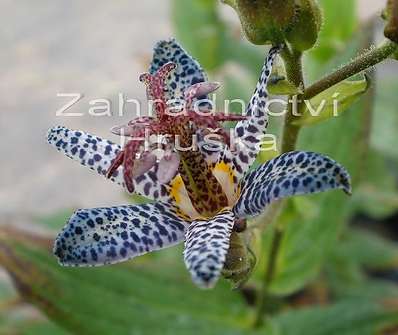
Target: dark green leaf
point(385, 122)
point(345, 318)
point(118, 299)
point(379, 253)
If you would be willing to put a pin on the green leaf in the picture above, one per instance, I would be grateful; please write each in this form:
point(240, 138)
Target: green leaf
point(56, 220)
point(377, 194)
point(14, 318)
point(385, 122)
point(360, 250)
point(332, 102)
point(346, 280)
point(245, 54)
point(119, 299)
point(379, 253)
point(344, 318)
point(42, 328)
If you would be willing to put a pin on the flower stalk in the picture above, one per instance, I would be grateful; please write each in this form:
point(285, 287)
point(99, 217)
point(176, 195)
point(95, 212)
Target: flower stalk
point(294, 70)
point(359, 64)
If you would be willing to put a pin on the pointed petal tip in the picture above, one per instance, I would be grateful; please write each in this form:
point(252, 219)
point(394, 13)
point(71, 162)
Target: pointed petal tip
point(346, 185)
point(59, 252)
point(206, 248)
point(344, 180)
point(309, 173)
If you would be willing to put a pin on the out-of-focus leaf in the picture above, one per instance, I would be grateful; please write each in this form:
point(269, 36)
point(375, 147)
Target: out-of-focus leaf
point(42, 328)
point(17, 319)
point(376, 202)
point(345, 318)
point(385, 122)
point(368, 249)
point(118, 299)
point(22, 326)
point(245, 54)
point(377, 194)
point(200, 29)
point(292, 272)
point(233, 97)
point(332, 102)
point(360, 289)
point(340, 22)
point(56, 220)
point(357, 251)
point(6, 291)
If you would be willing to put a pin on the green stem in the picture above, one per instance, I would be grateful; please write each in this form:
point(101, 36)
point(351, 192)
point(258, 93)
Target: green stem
point(263, 306)
point(294, 71)
point(359, 64)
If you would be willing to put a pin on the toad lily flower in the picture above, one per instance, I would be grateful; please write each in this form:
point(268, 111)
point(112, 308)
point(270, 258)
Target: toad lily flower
point(208, 194)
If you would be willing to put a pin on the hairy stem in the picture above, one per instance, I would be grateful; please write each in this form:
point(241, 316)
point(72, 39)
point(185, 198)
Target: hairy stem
point(360, 63)
point(294, 72)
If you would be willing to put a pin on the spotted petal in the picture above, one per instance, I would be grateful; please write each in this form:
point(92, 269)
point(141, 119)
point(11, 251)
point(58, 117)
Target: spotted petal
point(293, 173)
point(98, 154)
point(250, 131)
point(206, 248)
point(187, 73)
point(109, 235)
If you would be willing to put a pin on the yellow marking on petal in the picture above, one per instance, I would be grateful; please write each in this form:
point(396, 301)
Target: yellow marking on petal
point(181, 198)
point(225, 175)
point(176, 185)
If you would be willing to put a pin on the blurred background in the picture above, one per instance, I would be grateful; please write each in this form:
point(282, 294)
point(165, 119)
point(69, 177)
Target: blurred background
point(99, 48)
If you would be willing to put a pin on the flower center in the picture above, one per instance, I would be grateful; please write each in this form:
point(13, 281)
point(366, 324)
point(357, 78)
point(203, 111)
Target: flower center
point(203, 188)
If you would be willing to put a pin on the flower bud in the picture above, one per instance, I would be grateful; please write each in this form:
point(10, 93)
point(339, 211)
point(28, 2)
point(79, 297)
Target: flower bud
point(391, 15)
point(240, 261)
point(264, 21)
point(303, 32)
